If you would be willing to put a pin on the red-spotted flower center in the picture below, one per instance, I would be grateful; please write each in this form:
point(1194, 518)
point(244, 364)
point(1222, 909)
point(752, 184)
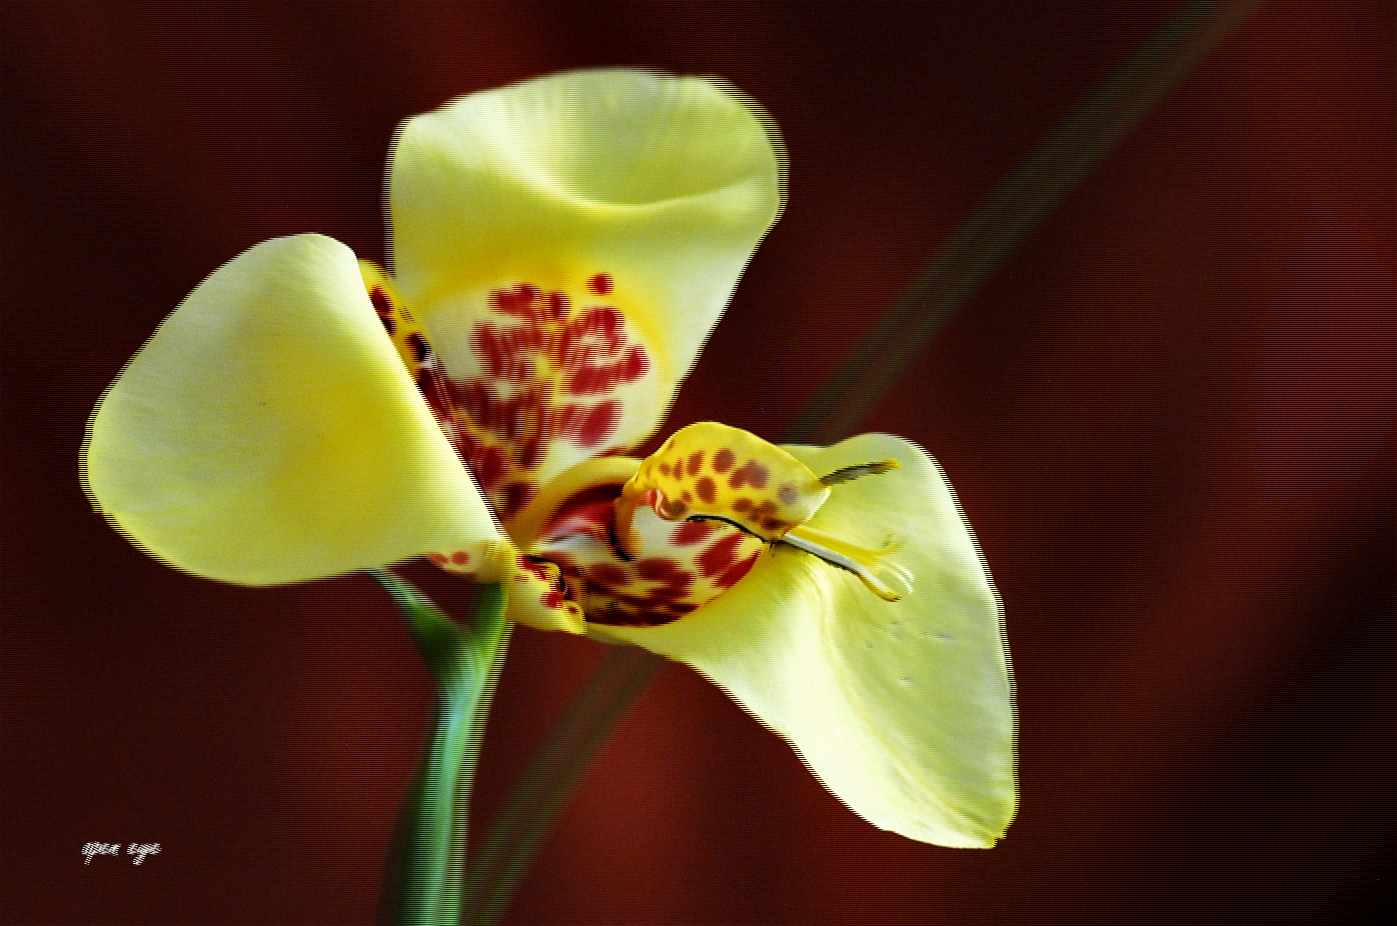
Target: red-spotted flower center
point(541, 381)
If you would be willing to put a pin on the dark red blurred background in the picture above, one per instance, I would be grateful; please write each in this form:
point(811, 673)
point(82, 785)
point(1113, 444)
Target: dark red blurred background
point(1169, 418)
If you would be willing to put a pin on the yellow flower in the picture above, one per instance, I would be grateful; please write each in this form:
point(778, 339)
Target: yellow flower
point(562, 248)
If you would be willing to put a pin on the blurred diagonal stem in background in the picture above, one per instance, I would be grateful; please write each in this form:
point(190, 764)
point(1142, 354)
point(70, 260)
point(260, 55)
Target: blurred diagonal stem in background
point(961, 266)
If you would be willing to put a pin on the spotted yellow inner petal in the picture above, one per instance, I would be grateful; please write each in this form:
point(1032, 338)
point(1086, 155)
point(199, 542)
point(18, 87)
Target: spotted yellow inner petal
point(711, 470)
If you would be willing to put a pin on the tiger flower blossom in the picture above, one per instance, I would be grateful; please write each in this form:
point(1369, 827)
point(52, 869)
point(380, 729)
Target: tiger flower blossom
point(562, 248)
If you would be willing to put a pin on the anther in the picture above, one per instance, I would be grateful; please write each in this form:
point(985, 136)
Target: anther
point(850, 473)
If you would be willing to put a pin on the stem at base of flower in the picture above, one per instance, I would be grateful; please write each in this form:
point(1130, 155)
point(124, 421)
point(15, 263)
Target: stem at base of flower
point(426, 864)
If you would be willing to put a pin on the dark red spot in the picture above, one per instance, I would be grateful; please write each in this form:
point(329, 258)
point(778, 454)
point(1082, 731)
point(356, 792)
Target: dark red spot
point(380, 301)
point(742, 504)
point(419, 347)
point(695, 461)
point(750, 473)
point(599, 424)
point(721, 555)
point(664, 470)
point(690, 533)
point(556, 306)
point(636, 365)
point(772, 524)
point(484, 341)
point(513, 497)
point(657, 569)
point(739, 569)
point(518, 299)
point(460, 559)
point(606, 575)
point(489, 468)
point(530, 452)
point(437, 558)
point(551, 600)
point(723, 461)
point(388, 325)
point(707, 491)
point(600, 284)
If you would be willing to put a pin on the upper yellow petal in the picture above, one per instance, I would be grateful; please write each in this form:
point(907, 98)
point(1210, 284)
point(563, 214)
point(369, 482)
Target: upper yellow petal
point(569, 242)
point(269, 433)
point(903, 709)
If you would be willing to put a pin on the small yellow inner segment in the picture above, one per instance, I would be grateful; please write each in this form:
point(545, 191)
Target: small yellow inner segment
point(406, 334)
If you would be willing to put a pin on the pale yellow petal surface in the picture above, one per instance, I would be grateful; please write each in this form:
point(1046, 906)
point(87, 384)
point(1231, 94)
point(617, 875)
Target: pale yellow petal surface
point(632, 192)
point(268, 432)
point(903, 709)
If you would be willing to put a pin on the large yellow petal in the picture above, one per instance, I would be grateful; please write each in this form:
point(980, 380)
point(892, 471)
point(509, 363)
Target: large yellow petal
point(568, 243)
point(269, 433)
point(903, 709)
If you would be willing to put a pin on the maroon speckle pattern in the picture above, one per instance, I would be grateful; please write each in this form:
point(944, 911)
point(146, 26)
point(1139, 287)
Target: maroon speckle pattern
point(706, 490)
point(720, 555)
point(691, 532)
point(549, 372)
point(677, 567)
point(736, 571)
point(379, 298)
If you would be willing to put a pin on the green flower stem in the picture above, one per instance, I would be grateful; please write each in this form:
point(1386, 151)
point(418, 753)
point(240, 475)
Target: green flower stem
point(426, 865)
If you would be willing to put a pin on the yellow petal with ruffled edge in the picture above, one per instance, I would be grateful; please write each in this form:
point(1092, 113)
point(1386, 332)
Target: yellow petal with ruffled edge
point(268, 432)
point(903, 709)
point(567, 244)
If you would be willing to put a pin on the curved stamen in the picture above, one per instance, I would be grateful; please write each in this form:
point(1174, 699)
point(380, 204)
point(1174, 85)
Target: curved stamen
point(875, 569)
